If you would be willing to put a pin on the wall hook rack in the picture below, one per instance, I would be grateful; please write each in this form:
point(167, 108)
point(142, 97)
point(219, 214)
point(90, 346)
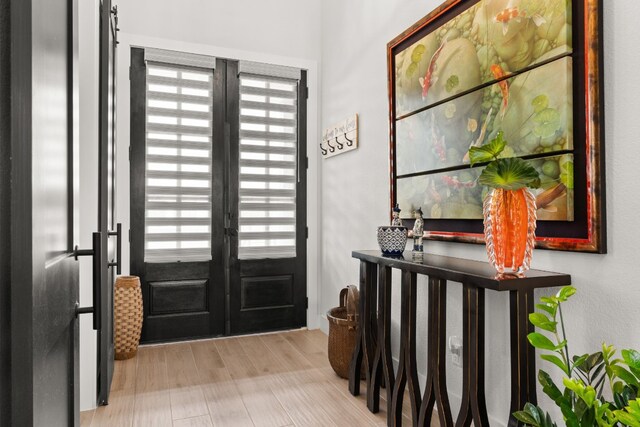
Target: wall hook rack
point(340, 138)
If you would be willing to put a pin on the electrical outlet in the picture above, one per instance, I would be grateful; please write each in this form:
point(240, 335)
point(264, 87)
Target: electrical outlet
point(455, 348)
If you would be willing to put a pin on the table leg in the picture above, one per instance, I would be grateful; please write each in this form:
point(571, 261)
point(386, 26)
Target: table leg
point(382, 362)
point(436, 387)
point(364, 350)
point(473, 407)
point(523, 361)
point(407, 370)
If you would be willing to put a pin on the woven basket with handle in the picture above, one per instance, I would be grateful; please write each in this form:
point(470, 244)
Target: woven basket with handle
point(127, 316)
point(343, 328)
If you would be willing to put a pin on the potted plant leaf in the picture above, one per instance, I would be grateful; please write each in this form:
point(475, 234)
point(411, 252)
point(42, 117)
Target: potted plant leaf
point(587, 379)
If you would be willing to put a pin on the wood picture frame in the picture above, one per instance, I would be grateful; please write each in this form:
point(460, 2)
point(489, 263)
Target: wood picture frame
point(539, 78)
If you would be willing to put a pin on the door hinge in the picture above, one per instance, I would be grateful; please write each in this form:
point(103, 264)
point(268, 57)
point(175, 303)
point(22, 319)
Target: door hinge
point(130, 71)
point(129, 235)
point(307, 162)
point(306, 232)
point(306, 302)
point(306, 92)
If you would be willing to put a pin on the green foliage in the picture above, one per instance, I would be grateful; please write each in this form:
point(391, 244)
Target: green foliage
point(510, 174)
point(630, 416)
point(534, 416)
point(488, 152)
point(581, 402)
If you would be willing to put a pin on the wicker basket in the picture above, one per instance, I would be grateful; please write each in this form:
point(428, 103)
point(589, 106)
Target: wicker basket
point(128, 316)
point(343, 328)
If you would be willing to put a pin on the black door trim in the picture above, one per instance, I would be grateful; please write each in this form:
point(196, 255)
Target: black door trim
point(5, 214)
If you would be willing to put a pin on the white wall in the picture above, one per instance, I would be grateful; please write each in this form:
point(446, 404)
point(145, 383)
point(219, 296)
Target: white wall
point(285, 32)
point(354, 188)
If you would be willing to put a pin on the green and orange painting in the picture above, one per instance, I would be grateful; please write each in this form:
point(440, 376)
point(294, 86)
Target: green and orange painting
point(500, 65)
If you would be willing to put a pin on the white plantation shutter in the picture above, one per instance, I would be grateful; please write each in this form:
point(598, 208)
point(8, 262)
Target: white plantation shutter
point(178, 160)
point(268, 161)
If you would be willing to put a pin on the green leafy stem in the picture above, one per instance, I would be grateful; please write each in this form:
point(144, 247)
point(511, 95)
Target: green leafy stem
point(582, 402)
point(505, 173)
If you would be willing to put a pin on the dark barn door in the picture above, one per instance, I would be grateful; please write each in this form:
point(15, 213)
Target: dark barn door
point(44, 274)
point(111, 246)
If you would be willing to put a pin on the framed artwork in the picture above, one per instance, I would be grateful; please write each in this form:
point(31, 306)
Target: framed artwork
point(531, 69)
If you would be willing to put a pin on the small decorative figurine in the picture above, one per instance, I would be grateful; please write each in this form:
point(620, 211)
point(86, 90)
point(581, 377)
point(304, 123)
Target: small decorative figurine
point(418, 229)
point(396, 221)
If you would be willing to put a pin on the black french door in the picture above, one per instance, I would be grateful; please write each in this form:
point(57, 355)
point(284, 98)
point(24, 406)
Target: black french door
point(112, 232)
point(265, 293)
point(181, 299)
point(225, 295)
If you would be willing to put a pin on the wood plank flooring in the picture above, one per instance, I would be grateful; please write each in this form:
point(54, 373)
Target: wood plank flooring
point(272, 380)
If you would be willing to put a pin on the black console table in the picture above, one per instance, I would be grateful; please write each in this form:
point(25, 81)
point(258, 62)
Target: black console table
point(373, 346)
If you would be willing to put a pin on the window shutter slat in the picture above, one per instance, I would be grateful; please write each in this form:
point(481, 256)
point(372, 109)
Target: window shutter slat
point(255, 105)
point(268, 162)
point(180, 114)
point(182, 83)
point(267, 135)
point(180, 129)
point(272, 221)
point(176, 97)
point(178, 161)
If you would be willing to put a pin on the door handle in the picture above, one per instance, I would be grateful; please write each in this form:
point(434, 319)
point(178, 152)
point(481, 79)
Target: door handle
point(118, 234)
point(96, 253)
point(231, 231)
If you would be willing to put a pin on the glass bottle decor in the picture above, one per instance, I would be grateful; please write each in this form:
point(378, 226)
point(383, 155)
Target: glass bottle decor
point(509, 207)
point(509, 229)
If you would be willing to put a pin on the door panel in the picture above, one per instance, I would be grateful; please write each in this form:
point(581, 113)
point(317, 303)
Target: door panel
point(107, 196)
point(181, 299)
point(269, 293)
point(44, 374)
point(184, 296)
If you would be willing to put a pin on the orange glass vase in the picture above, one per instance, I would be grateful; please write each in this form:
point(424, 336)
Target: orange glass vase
point(510, 229)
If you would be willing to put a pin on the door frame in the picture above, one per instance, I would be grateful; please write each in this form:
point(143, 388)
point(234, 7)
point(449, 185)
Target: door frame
point(226, 146)
point(128, 40)
point(107, 153)
point(5, 223)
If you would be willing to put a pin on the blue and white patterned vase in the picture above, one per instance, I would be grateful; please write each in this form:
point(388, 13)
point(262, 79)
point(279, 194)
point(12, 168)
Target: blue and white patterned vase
point(392, 239)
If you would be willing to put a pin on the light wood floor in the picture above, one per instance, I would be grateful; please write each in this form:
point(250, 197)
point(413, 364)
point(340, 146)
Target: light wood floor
point(281, 379)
